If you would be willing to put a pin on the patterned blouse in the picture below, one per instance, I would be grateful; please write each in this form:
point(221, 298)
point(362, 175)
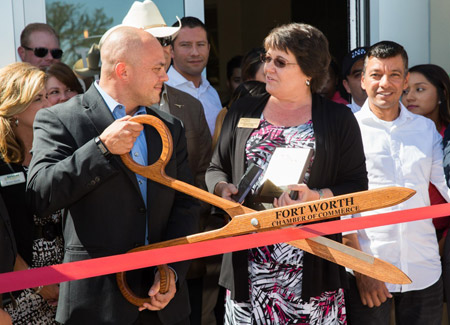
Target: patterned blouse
point(275, 272)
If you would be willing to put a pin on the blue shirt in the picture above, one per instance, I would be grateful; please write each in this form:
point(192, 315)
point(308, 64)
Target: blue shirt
point(139, 150)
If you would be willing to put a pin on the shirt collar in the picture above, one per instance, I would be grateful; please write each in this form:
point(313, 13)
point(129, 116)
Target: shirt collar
point(164, 101)
point(112, 103)
point(365, 114)
point(177, 79)
point(164, 98)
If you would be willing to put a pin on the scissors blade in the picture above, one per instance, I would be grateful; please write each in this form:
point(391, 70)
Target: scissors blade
point(291, 215)
point(317, 210)
point(352, 258)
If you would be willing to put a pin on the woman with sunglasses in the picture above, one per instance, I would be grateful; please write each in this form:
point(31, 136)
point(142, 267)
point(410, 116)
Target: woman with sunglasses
point(62, 84)
point(281, 284)
point(39, 241)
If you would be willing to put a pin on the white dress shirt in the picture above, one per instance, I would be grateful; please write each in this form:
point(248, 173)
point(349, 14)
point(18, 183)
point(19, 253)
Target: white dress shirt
point(206, 94)
point(405, 152)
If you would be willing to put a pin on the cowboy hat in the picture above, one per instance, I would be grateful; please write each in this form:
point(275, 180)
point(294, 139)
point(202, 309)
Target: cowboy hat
point(146, 15)
point(90, 67)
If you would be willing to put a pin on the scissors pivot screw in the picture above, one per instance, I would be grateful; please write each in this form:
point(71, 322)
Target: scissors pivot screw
point(254, 222)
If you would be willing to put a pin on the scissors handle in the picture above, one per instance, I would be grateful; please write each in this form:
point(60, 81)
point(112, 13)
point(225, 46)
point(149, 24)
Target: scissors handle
point(134, 299)
point(156, 171)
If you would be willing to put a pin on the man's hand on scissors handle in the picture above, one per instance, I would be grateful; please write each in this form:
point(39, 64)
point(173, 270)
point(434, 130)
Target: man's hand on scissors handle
point(158, 300)
point(120, 136)
point(225, 190)
point(372, 292)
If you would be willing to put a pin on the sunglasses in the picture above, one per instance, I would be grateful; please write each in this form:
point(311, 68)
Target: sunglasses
point(279, 63)
point(165, 41)
point(41, 52)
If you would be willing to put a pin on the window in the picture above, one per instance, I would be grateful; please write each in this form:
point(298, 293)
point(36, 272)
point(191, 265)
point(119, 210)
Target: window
point(80, 23)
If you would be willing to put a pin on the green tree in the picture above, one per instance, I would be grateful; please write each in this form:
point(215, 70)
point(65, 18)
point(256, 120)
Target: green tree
point(70, 21)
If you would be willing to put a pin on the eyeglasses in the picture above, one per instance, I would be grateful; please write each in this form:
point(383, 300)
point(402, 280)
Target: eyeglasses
point(41, 52)
point(279, 63)
point(165, 41)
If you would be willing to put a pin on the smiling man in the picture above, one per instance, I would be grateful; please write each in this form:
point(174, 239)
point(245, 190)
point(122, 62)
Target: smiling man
point(108, 209)
point(190, 53)
point(401, 149)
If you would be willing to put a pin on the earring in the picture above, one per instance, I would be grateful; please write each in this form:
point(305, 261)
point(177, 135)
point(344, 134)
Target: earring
point(16, 122)
point(439, 102)
point(308, 82)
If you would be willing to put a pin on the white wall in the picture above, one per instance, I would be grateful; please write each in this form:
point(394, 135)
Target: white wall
point(7, 55)
point(195, 8)
point(406, 22)
point(14, 16)
point(440, 33)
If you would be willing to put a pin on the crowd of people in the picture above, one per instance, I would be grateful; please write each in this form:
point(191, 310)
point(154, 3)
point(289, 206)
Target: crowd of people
point(65, 194)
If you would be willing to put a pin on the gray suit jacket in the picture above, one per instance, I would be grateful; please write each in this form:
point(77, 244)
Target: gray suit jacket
point(104, 213)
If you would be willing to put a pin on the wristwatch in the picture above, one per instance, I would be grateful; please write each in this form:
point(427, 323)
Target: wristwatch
point(101, 146)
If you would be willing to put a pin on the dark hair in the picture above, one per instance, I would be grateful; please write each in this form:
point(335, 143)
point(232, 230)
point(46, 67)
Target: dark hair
point(233, 63)
point(36, 27)
point(64, 74)
point(384, 50)
point(439, 79)
point(247, 88)
point(191, 22)
point(251, 63)
point(309, 46)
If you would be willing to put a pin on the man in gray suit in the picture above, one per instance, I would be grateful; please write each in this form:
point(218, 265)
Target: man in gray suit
point(108, 208)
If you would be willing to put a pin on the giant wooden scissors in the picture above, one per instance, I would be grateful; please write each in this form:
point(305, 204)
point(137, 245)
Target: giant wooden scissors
point(245, 220)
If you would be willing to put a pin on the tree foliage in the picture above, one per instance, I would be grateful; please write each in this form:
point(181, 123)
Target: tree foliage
point(70, 21)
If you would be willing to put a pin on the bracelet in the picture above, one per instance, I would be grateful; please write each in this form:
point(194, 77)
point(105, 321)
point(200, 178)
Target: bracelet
point(39, 289)
point(319, 190)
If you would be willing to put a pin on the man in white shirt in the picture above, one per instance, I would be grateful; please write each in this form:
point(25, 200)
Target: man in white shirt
point(352, 66)
point(190, 52)
point(402, 149)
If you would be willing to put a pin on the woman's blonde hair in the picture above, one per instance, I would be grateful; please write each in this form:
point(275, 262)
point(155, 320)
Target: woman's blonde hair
point(20, 83)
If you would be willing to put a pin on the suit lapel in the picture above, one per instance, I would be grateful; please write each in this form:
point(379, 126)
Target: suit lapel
point(101, 117)
point(175, 103)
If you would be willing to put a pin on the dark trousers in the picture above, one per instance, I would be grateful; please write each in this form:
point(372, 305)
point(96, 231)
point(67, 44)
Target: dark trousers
point(413, 307)
point(148, 317)
point(446, 272)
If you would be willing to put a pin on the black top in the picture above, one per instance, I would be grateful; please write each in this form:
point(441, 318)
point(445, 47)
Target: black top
point(21, 216)
point(8, 249)
point(339, 165)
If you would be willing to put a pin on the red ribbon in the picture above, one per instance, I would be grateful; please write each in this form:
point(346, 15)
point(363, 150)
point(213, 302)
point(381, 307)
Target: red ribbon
point(125, 262)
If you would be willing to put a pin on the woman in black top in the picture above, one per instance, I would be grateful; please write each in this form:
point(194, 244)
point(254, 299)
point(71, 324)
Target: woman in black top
point(281, 284)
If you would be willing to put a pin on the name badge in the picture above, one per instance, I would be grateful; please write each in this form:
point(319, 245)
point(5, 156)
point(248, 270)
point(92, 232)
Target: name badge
point(248, 123)
point(12, 179)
